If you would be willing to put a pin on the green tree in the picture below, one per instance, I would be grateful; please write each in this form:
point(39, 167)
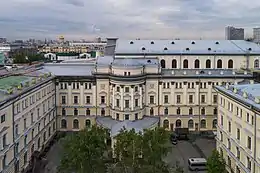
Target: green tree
point(142, 153)
point(216, 163)
point(84, 151)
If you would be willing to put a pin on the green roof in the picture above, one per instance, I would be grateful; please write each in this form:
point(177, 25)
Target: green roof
point(12, 81)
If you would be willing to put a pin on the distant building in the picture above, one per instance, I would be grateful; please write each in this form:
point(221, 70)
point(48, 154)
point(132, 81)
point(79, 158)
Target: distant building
point(2, 40)
point(233, 33)
point(256, 34)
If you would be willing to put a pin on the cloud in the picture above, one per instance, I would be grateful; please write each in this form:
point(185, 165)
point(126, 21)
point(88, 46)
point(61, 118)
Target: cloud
point(125, 18)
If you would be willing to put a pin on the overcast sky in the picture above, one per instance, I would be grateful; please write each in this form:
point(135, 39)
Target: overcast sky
point(75, 19)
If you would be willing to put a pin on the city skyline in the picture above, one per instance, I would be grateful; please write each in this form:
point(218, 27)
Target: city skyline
point(76, 19)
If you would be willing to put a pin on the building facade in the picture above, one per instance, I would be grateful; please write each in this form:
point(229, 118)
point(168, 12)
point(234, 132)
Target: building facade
point(140, 84)
point(233, 33)
point(238, 136)
point(256, 35)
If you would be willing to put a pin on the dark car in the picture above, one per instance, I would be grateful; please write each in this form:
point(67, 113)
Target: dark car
point(174, 138)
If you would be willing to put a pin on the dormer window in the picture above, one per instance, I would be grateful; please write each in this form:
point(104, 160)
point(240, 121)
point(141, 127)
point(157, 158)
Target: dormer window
point(149, 61)
point(165, 48)
point(193, 42)
point(152, 42)
point(187, 48)
point(250, 49)
point(209, 49)
point(217, 42)
point(173, 42)
point(131, 42)
point(143, 48)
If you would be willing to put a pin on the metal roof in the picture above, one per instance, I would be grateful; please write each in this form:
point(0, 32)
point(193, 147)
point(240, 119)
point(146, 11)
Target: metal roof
point(135, 62)
point(185, 47)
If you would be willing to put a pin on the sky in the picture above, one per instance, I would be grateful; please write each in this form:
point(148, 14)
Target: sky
point(154, 19)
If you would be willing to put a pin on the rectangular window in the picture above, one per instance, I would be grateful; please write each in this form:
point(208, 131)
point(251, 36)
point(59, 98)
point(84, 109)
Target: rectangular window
point(252, 119)
point(63, 99)
point(117, 116)
point(203, 100)
point(166, 99)
point(87, 99)
point(249, 142)
point(117, 102)
point(24, 124)
point(126, 103)
point(229, 127)
point(127, 89)
point(221, 120)
point(178, 99)
point(247, 117)
point(76, 100)
point(238, 153)
point(238, 134)
point(248, 163)
point(190, 98)
point(2, 118)
point(102, 99)
point(16, 130)
point(151, 99)
point(4, 142)
point(215, 99)
point(136, 116)
point(136, 102)
point(32, 119)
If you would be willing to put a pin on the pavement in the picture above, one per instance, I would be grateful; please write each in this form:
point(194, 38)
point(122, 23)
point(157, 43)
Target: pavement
point(184, 150)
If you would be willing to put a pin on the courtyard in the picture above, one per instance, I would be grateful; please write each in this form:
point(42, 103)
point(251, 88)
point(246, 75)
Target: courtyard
point(201, 147)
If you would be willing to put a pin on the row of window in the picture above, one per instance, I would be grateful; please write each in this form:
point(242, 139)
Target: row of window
point(203, 85)
point(87, 101)
point(178, 124)
point(178, 111)
point(88, 112)
point(75, 85)
point(75, 124)
point(197, 64)
point(127, 103)
point(127, 89)
point(191, 99)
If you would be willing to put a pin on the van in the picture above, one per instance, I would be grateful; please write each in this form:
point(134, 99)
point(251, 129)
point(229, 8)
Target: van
point(197, 164)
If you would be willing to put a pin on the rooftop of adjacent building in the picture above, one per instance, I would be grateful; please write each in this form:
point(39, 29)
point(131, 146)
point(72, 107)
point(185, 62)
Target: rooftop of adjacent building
point(201, 47)
point(245, 93)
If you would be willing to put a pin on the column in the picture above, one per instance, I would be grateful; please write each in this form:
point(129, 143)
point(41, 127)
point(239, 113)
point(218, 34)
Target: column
point(132, 97)
point(159, 98)
point(113, 97)
point(122, 97)
point(197, 93)
point(209, 98)
point(185, 95)
point(172, 97)
point(81, 97)
point(70, 94)
point(141, 96)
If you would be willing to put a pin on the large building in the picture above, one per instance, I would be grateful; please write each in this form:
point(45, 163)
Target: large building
point(233, 33)
point(256, 35)
point(238, 136)
point(138, 84)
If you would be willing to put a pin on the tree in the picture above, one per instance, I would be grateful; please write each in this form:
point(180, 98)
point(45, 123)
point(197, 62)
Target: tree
point(141, 152)
point(216, 163)
point(84, 151)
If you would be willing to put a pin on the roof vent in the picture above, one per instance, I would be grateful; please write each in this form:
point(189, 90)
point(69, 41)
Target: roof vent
point(143, 48)
point(209, 49)
point(187, 48)
point(165, 48)
point(193, 42)
point(131, 42)
point(173, 42)
point(250, 49)
point(152, 42)
point(149, 61)
point(217, 42)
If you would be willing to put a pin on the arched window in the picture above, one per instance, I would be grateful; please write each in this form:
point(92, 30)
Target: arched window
point(219, 63)
point(190, 111)
point(203, 124)
point(166, 124)
point(174, 63)
point(163, 63)
point(75, 124)
point(208, 63)
point(230, 63)
point(103, 112)
point(185, 63)
point(88, 123)
point(214, 123)
point(166, 111)
point(88, 112)
point(178, 124)
point(63, 124)
point(197, 63)
point(256, 63)
point(151, 111)
point(190, 124)
point(76, 111)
